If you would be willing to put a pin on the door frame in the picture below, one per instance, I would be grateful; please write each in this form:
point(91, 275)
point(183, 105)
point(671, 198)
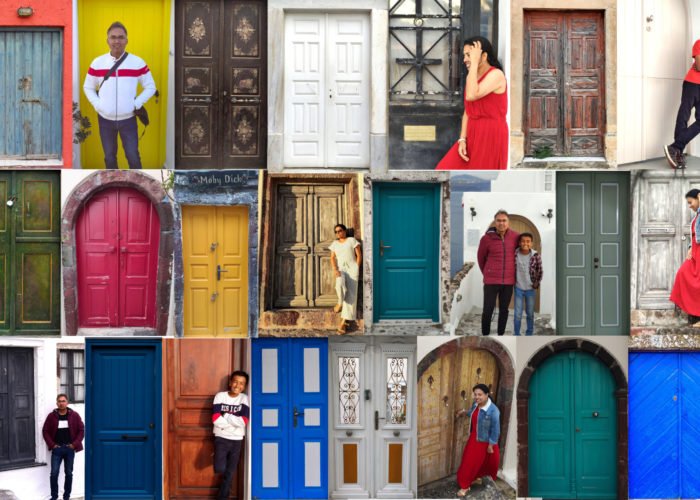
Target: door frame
point(191, 188)
point(98, 181)
point(523, 401)
point(156, 344)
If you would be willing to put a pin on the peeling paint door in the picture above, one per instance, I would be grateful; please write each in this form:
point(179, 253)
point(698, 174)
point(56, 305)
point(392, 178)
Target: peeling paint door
point(221, 84)
point(406, 252)
point(664, 421)
point(572, 429)
point(374, 423)
point(117, 241)
point(215, 255)
point(31, 104)
point(592, 253)
point(444, 389)
point(196, 370)
point(290, 418)
point(17, 432)
point(30, 246)
point(327, 94)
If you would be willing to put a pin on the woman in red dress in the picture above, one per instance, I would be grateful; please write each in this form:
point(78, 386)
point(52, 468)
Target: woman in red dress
point(483, 139)
point(686, 288)
point(481, 454)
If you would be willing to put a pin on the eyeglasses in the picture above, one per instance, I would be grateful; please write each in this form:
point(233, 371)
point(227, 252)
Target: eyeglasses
point(339, 231)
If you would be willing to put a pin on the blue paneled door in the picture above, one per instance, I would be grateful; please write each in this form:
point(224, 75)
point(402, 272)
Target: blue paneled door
point(664, 419)
point(290, 418)
point(406, 251)
point(31, 65)
point(124, 417)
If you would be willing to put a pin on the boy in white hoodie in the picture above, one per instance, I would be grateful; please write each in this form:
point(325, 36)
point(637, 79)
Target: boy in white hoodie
point(230, 415)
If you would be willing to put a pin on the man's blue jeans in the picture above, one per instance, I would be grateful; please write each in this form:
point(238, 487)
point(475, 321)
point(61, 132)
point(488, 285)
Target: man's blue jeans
point(67, 455)
point(128, 130)
point(529, 297)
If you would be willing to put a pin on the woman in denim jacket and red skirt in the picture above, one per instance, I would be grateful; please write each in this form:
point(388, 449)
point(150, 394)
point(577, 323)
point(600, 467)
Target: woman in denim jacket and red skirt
point(481, 454)
point(686, 289)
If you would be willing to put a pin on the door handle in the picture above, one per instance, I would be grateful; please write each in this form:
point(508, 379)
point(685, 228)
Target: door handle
point(127, 437)
point(382, 246)
point(213, 246)
point(596, 262)
point(196, 100)
point(214, 296)
point(377, 418)
point(296, 415)
point(111, 249)
point(219, 271)
point(245, 100)
point(123, 249)
point(578, 430)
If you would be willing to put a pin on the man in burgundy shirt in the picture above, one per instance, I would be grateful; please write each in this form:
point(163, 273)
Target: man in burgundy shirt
point(63, 432)
point(690, 98)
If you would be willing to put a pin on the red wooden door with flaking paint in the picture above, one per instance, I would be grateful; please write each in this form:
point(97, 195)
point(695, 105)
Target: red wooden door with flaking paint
point(117, 237)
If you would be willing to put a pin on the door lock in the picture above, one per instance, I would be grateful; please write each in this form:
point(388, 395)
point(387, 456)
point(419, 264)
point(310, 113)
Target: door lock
point(578, 429)
point(596, 262)
point(382, 246)
point(219, 271)
point(214, 296)
point(296, 415)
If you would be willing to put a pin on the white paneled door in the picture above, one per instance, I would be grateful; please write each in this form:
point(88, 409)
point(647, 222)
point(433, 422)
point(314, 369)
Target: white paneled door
point(326, 90)
point(373, 425)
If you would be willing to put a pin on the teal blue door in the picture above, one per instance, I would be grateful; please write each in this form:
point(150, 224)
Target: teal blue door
point(406, 250)
point(31, 63)
point(593, 286)
point(572, 432)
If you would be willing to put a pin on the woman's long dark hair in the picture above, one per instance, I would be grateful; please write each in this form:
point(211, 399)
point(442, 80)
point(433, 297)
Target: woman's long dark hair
point(693, 193)
point(487, 48)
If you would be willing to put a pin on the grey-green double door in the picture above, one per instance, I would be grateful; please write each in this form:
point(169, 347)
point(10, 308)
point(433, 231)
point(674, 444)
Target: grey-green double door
point(593, 226)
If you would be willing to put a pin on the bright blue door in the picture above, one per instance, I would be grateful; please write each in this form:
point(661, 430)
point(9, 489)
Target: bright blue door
point(664, 419)
point(406, 251)
point(290, 418)
point(124, 417)
point(31, 62)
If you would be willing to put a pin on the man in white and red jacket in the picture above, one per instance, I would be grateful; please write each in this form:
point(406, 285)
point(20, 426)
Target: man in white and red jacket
point(496, 257)
point(230, 415)
point(114, 96)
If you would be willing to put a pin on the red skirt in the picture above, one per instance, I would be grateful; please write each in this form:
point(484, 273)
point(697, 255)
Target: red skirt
point(686, 288)
point(487, 147)
point(477, 462)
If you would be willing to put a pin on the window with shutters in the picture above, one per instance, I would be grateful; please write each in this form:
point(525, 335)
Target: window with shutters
point(71, 372)
point(17, 439)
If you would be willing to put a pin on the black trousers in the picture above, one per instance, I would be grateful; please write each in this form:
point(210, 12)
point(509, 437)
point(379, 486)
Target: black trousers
point(226, 454)
point(491, 292)
point(690, 99)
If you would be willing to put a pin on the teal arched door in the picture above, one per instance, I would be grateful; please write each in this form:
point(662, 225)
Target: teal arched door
point(572, 429)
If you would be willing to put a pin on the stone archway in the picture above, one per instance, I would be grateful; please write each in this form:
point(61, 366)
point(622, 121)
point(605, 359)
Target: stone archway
point(523, 398)
point(81, 194)
point(504, 392)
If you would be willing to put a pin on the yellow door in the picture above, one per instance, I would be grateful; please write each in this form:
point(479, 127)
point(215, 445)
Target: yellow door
point(148, 26)
point(215, 258)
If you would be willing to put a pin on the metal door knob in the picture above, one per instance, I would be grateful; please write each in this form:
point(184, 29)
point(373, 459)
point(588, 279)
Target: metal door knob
point(219, 271)
point(382, 246)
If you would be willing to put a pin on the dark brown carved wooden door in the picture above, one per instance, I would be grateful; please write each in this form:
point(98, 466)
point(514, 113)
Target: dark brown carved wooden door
point(196, 370)
point(564, 80)
point(221, 84)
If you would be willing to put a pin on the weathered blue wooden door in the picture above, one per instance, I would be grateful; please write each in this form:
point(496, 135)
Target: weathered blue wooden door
point(406, 251)
point(290, 418)
point(664, 419)
point(31, 63)
point(572, 429)
point(123, 419)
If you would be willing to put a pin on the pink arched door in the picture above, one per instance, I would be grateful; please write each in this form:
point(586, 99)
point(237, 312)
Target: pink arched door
point(117, 237)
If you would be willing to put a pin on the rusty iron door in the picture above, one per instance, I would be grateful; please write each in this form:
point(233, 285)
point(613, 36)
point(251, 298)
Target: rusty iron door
point(221, 84)
point(30, 93)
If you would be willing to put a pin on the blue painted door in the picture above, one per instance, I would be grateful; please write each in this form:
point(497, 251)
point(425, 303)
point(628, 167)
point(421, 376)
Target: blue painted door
point(290, 418)
point(572, 429)
point(406, 251)
point(30, 93)
point(664, 419)
point(123, 404)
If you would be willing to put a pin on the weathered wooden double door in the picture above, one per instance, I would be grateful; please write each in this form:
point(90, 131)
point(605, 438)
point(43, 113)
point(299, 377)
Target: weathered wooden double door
point(117, 238)
point(304, 220)
point(196, 370)
point(215, 255)
point(221, 84)
point(444, 389)
point(373, 430)
point(30, 245)
point(564, 82)
point(17, 445)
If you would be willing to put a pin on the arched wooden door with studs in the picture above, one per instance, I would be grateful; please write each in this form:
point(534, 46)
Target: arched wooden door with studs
point(445, 388)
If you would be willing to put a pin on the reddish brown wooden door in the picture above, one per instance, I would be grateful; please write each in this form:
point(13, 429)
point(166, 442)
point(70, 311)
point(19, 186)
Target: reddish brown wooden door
point(117, 237)
point(197, 369)
point(564, 80)
point(221, 106)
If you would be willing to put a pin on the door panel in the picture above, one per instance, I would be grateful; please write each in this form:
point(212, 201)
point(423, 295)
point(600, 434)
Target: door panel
point(32, 93)
point(199, 261)
point(406, 225)
point(197, 369)
point(38, 270)
point(124, 415)
point(232, 308)
point(17, 437)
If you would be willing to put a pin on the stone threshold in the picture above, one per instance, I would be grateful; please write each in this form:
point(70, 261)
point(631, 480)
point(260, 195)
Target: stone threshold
point(117, 332)
point(563, 162)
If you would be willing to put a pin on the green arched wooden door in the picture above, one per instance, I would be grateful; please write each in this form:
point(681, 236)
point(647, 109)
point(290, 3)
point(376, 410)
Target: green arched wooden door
point(572, 429)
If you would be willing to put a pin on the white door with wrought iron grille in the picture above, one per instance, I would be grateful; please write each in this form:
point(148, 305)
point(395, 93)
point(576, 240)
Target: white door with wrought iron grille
point(326, 90)
point(372, 427)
